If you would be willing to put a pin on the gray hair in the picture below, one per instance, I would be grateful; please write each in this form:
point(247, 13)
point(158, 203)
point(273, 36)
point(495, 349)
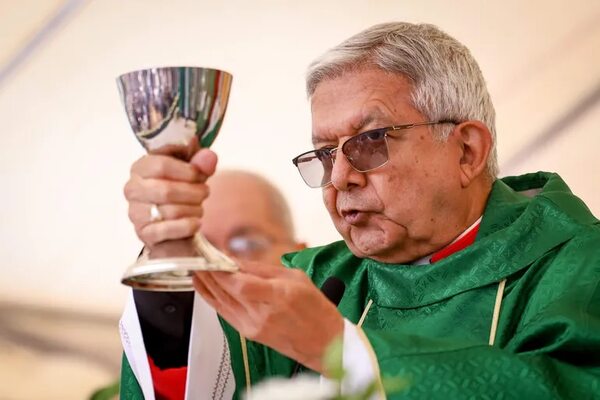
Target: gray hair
point(447, 82)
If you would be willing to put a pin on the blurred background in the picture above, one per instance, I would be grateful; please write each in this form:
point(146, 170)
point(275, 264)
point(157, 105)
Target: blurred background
point(67, 148)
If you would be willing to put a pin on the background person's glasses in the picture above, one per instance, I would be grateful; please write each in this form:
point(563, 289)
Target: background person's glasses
point(365, 152)
point(248, 247)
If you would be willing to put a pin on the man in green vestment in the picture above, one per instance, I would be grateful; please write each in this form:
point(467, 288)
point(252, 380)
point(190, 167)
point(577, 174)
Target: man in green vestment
point(467, 285)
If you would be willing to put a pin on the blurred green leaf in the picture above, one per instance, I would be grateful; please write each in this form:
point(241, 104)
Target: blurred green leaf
point(395, 384)
point(107, 393)
point(333, 360)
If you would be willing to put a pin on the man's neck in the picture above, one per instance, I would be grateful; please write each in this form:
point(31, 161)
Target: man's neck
point(477, 198)
point(463, 240)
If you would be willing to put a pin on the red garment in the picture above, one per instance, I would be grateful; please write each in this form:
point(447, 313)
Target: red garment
point(169, 384)
point(465, 241)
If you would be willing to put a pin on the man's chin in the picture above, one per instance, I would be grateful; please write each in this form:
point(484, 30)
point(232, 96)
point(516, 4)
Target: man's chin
point(365, 247)
point(377, 247)
point(363, 241)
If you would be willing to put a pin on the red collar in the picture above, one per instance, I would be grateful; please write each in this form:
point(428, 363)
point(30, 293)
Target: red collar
point(461, 243)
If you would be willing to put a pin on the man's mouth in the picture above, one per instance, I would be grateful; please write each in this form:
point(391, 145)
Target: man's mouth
point(355, 217)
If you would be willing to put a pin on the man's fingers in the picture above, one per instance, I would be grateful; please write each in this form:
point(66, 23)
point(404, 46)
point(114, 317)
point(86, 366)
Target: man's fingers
point(156, 166)
point(204, 292)
point(223, 302)
point(166, 167)
point(260, 269)
point(235, 306)
point(236, 319)
point(159, 191)
point(245, 288)
point(157, 232)
point(268, 271)
point(139, 213)
point(224, 310)
point(218, 292)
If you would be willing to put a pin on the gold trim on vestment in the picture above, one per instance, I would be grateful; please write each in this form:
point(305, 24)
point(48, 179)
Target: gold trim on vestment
point(496, 315)
point(246, 366)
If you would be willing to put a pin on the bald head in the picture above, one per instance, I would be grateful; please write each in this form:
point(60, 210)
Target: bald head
point(262, 193)
point(246, 214)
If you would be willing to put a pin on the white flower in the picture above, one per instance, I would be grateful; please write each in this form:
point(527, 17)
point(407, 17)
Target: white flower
point(302, 387)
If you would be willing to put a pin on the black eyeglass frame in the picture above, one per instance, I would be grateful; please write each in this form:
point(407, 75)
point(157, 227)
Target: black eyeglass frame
point(385, 130)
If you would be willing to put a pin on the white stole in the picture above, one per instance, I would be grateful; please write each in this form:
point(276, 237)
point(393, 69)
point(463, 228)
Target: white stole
point(209, 375)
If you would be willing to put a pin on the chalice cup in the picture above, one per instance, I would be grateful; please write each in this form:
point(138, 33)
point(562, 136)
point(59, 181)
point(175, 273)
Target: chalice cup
point(175, 111)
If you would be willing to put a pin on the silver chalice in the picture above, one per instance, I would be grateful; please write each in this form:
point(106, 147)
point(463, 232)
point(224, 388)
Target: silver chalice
point(175, 111)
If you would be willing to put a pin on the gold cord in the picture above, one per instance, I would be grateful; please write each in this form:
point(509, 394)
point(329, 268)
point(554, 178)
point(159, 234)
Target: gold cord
point(246, 366)
point(364, 314)
point(496, 315)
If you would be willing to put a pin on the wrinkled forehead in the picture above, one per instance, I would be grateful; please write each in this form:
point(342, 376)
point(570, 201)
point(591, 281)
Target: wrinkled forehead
point(359, 100)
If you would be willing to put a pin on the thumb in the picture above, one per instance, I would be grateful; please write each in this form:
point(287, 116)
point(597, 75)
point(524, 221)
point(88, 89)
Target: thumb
point(205, 161)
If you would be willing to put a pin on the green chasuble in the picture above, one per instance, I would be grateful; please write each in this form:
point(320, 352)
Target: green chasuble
point(430, 324)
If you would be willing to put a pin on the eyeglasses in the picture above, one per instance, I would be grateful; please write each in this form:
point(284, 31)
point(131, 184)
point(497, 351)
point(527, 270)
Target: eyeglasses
point(248, 247)
point(365, 152)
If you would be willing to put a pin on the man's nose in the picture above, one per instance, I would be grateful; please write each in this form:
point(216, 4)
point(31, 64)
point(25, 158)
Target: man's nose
point(343, 175)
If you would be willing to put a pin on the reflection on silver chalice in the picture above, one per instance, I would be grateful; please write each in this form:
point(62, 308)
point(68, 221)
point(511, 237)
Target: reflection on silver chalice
point(175, 111)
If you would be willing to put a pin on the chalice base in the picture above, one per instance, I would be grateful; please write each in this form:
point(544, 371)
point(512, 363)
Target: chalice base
point(169, 274)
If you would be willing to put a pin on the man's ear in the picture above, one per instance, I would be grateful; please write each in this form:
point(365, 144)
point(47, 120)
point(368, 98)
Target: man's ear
point(299, 246)
point(475, 141)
